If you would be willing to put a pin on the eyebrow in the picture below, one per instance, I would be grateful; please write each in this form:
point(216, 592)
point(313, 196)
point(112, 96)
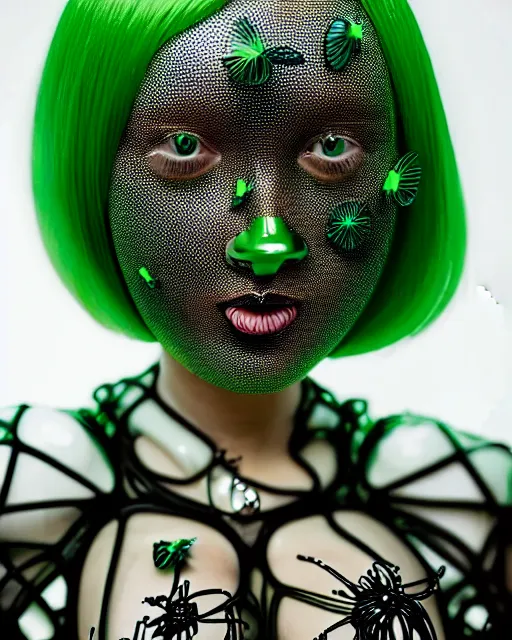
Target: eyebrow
point(166, 112)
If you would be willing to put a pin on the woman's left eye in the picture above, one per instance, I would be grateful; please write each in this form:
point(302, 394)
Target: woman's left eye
point(182, 156)
point(332, 158)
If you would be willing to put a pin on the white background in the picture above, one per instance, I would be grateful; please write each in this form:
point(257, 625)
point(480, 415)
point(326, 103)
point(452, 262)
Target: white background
point(460, 370)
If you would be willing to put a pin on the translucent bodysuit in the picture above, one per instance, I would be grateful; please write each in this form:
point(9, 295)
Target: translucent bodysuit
point(87, 494)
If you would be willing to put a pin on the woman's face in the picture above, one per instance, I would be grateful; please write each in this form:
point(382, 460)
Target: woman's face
point(311, 138)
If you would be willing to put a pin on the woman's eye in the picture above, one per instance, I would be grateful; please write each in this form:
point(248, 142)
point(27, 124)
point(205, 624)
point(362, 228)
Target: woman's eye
point(331, 158)
point(182, 156)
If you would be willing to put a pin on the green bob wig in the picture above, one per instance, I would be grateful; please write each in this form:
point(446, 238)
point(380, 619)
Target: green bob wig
point(96, 63)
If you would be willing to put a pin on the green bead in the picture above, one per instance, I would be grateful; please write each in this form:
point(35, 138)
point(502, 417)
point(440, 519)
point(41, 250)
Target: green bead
point(333, 146)
point(185, 144)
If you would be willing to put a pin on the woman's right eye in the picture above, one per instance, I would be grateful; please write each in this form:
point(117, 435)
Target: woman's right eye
point(182, 156)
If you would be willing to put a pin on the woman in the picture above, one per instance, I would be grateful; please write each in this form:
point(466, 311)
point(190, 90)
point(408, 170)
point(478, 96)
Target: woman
point(240, 181)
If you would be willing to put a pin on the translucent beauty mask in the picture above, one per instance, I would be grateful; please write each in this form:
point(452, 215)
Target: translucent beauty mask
point(257, 169)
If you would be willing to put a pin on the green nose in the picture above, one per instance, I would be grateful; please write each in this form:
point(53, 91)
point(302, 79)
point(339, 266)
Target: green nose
point(266, 246)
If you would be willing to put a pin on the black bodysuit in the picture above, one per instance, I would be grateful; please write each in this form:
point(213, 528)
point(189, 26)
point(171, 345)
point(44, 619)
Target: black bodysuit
point(39, 580)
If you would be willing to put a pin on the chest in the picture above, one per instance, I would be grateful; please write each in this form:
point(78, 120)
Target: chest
point(279, 593)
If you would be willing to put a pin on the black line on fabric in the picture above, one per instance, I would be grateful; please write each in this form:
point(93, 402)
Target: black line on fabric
point(111, 574)
point(309, 391)
point(453, 504)
point(438, 594)
point(31, 593)
point(464, 454)
point(270, 489)
point(47, 504)
point(341, 531)
point(9, 474)
point(473, 574)
point(52, 462)
point(22, 447)
point(422, 525)
point(215, 460)
point(417, 475)
point(489, 496)
point(351, 474)
point(13, 570)
point(129, 443)
point(282, 590)
point(445, 553)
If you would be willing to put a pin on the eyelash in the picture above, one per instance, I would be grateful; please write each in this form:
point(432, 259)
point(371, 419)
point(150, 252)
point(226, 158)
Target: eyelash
point(186, 169)
point(332, 170)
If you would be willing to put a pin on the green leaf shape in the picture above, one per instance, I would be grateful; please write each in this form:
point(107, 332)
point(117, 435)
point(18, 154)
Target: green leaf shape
point(170, 554)
point(247, 63)
point(284, 55)
point(403, 181)
point(342, 42)
point(348, 225)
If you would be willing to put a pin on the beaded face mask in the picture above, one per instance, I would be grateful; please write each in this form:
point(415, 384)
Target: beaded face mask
point(254, 161)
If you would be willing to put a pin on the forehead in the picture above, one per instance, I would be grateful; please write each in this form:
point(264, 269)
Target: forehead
point(187, 75)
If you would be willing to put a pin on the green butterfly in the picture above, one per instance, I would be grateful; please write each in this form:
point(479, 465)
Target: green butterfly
point(342, 42)
point(170, 554)
point(249, 62)
point(403, 181)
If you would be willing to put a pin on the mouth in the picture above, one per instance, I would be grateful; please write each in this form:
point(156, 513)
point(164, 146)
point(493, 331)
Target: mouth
point(260, 314)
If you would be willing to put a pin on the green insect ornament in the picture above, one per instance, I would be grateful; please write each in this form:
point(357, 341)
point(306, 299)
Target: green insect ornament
point(342, 42)
point(242, 192)
point(168, 555)
point(250, 62)
point(403, 181)
point(153, 283)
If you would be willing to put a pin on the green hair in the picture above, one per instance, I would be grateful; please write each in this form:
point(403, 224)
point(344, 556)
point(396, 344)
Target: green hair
point(96, 63)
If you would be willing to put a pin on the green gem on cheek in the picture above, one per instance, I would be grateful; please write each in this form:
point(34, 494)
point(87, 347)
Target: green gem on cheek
point(333, 146)
point(185, 144)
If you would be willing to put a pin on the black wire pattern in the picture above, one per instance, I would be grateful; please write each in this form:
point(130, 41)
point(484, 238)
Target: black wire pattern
point(479, 588)
point(378, 605)
point(180, 619)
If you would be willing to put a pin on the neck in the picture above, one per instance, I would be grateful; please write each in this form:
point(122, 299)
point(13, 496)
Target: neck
point(255, 426)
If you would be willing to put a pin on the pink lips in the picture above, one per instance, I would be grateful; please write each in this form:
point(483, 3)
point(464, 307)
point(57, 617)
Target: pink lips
point(261, 322)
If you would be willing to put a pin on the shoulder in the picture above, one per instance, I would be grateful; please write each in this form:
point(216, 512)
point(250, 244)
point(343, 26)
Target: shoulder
point(73, 451)
point(410, 454)
point(449, 493)
point(52, 454)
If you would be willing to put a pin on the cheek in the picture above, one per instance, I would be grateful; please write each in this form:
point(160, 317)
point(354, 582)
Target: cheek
point(174, 233)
